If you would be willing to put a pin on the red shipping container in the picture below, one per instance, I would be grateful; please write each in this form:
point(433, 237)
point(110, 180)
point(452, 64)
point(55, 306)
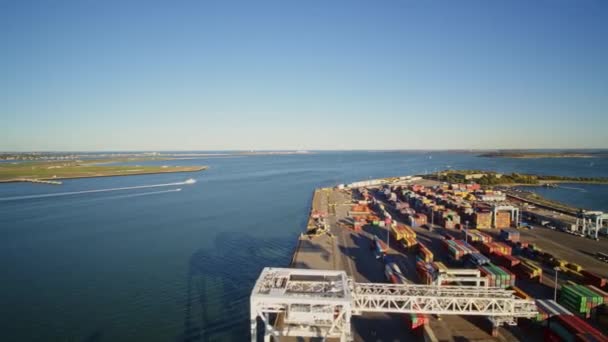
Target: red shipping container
point(594, 279)
point(576, 325)
point(506, 260)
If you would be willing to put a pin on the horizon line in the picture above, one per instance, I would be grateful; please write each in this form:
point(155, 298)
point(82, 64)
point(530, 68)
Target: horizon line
point(313, 150)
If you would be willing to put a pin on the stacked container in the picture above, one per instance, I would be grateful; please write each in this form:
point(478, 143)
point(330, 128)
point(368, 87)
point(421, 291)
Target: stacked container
point(401, 232)
point(476, 259)
point(417, 220)
point(457, 249)
point(426, 272)
point(359, 209)
point(394, 275)
point(594, 279)
point(424, 254)
point(574, 267)
point(509, 234)
point(448, 218)
point(483, 219)
point(579, 299)
point(599, 292)
point(549, 308)
point(519, 293)
point(572, 328)
point(476, 236)
point(408, 243)
point(497, 276)
point(529, 271)
point(505, 260)
point(503, 219)
point(495, 248)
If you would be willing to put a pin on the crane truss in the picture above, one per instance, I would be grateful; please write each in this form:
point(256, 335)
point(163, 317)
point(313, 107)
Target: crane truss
point(320, 303)
point(439, 300)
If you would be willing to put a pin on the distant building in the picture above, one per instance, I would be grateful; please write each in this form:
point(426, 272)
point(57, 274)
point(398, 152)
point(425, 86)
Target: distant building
point(474, 176)
point(492, 197)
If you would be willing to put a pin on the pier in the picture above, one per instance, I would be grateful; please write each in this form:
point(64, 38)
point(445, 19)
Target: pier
point(333, 242)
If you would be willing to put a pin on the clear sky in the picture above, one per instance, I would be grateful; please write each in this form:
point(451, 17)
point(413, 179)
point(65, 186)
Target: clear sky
point(207, 75)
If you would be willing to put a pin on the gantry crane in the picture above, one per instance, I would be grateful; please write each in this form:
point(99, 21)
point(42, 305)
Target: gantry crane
point(320, 303)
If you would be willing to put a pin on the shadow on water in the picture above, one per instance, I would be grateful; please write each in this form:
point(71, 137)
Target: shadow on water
point(219, 283)
point(94, 337)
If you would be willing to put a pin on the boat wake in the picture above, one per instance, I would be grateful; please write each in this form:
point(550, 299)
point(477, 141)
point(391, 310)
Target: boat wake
point(139, 194)
point(72, 193)
point(573, 188)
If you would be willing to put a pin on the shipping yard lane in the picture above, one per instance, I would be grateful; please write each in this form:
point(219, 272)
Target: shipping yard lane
point(344, 249)
point(570, 247)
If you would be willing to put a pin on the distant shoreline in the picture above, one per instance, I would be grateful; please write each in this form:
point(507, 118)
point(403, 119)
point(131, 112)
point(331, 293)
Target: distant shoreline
point(528, 155)
point(542, 183)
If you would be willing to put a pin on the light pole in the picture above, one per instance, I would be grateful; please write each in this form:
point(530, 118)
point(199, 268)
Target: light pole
point(556, 269)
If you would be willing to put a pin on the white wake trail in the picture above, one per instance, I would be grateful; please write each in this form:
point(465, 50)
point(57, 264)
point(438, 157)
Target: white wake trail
point(15, 198)
point(572, 188)
point(143, 194)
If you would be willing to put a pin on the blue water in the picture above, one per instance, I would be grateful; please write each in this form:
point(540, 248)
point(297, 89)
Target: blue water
point(151, 264)
point(584, 196)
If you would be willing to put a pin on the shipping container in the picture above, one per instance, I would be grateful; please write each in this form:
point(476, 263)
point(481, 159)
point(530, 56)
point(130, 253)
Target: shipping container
point(497, 276)
point(511, 235)
point(594, 279)
point(579, 299)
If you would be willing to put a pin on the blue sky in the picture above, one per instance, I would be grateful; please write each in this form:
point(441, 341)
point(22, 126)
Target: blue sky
point(207, 75)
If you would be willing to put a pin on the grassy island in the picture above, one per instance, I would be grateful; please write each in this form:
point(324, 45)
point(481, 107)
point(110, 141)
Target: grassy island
point(490, 178)
point(32, 171)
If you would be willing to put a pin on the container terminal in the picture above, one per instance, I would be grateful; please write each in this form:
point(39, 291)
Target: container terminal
point(410, 258)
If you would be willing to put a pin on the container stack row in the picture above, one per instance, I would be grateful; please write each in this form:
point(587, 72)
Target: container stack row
point(571, 328)
point(497, 276)
point(360, 209)
point(476, 259)
point(457, 249)
point(394, 274)
point(495, 248)
point(549, 308)
point(424, 254)
point(594, 279)
point(580, 299)
point(417, 220)
point(428, 271)
point(401, 231)
point(447, 218)
point(529, 271)
point(477, 236)
point(505, 260)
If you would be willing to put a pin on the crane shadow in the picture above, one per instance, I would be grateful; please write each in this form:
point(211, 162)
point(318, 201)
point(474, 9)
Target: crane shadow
point(219, 282)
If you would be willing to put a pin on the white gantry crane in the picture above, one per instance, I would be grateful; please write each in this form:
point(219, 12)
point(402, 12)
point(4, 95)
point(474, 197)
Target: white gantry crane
point(591, 223)
point(320, 303)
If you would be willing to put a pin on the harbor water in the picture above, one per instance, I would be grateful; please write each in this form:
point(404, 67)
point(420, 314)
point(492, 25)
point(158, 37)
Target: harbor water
point(143, 261)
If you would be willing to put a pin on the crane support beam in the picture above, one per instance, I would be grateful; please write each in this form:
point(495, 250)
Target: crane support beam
point(439, 300)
